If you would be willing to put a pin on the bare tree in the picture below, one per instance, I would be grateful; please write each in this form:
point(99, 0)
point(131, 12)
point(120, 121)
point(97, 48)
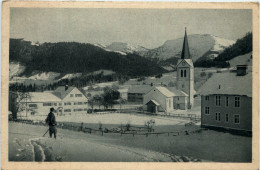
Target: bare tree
point(19, 101)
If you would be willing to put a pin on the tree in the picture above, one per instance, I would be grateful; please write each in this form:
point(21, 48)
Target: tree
point(18, 102)
point(202, 74)
point(110, 96)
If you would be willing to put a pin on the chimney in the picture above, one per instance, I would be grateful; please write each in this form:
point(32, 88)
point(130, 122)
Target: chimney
point(66, 87)
point(241, 70)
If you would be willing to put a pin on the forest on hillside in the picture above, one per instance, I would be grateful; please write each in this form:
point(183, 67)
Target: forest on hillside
point(241, 47)
point(73, 57)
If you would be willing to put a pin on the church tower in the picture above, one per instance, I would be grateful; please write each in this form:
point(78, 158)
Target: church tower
point(185, 72)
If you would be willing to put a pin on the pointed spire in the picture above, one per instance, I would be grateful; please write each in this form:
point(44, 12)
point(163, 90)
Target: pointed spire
point(185, 54)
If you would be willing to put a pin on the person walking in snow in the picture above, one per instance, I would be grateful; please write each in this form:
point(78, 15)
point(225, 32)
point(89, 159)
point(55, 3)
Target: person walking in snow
point(51, 121)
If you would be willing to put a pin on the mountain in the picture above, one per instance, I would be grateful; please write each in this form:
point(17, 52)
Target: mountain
point(125, 48)
point(239, 48)
point(205, 45)
point(72, 57)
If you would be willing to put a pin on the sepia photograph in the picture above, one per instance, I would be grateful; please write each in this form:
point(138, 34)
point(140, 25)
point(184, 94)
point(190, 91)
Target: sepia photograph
point(105, 84)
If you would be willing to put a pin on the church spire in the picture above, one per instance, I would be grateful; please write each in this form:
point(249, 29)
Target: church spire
point(185, 54)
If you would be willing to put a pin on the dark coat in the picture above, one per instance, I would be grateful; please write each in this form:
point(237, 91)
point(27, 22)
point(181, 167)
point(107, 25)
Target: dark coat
point(51, 120)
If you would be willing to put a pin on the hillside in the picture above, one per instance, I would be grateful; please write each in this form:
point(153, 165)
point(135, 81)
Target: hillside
point(200, 46)
point(241, 47)
point(125, 48)
point(72, 57)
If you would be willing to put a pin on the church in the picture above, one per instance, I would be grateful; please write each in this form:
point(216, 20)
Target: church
point(166, 99)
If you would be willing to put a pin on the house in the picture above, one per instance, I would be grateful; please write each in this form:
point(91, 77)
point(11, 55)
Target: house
point(165, 98)
point(136, 93)
point(65, 100)
point(161, 99)
point(226, 101)
point(123, 93)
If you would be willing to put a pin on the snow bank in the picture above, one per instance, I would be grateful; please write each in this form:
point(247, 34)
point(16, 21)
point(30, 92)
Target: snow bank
point(70, 76)
point(45, 76)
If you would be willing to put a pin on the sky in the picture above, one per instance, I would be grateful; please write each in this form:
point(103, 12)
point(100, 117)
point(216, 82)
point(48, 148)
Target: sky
point(146, 27)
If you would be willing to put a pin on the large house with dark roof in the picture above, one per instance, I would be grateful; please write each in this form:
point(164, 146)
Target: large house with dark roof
point(166, 99)
point(226, 101)
point(65, 100)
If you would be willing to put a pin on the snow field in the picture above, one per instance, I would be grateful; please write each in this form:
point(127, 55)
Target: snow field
point(112, 118)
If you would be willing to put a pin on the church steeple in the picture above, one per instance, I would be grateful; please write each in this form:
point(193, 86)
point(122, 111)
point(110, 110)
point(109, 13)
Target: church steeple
point(185, 54)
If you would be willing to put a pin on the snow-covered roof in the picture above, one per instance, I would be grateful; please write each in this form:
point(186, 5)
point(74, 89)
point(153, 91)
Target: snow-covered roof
point(165, 91)
point(228, 83)
point(177, 92)
point(41, 97)
point(140, 89)
point(61, 92)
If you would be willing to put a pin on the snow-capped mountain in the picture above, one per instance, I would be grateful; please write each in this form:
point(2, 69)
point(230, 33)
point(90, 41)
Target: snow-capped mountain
point(199, 46)
point(125, 47)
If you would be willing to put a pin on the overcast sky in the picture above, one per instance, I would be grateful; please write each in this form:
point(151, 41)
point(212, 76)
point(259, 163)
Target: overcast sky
point(147, 27)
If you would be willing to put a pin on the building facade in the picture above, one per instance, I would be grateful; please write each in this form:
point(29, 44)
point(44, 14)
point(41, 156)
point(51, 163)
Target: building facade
point(226, 102)
point(65, 100)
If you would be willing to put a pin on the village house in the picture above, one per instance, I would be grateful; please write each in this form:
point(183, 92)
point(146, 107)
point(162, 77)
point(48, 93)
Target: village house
point(226, 101)
point(167, 99)
point(135, 93)
point(65, 100)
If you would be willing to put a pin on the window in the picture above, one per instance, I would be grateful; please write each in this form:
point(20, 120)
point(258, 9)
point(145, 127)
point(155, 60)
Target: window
point(217, 116)
point(67, 103)
point(78, 110)
point(184, 73)
point(237, 101)
point(207, 98)
point(181, 73)
point(217, 100)
point(207, 110)
point(67, 110)
point(71, 95)
point(182, 86)
point(237, 119)
point(227, 117)
point(33, 105)
point(47, 104)
point(78, 103)
point(227, 101)
point(78, 95)
point(60, 104)
point(55, 104)
point(86, 109)
point(170, 103)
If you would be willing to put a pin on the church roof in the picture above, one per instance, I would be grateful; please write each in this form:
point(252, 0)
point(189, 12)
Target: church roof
point(228, 83)
point(185, 54)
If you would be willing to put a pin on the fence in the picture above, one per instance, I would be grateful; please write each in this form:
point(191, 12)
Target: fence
point(142, 131)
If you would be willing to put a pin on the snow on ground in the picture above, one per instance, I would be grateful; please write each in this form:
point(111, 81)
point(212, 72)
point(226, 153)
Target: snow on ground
point(15, 69)
point(45, 76)
point(26, 144)
point(112, 118)
point(241, 60)
point(70, 76)
point(221, 43)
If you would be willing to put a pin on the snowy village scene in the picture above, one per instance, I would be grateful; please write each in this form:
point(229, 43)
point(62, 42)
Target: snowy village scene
point(130, 85)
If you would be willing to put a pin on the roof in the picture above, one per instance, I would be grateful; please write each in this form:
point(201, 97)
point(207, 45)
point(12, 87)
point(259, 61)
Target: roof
point(140, 89)
point(176, 92)
point(61, 92)
point(189, 61)
point(185, 54)
point(41, 97)
point(154, 102)
point(165, 91)
point(228, 83)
